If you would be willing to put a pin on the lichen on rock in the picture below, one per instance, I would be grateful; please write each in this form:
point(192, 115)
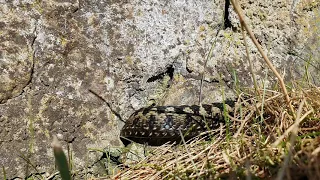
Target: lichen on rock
point(52, 53)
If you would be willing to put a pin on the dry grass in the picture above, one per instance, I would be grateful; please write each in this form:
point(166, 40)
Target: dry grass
point(274, 137)
point(269, 146)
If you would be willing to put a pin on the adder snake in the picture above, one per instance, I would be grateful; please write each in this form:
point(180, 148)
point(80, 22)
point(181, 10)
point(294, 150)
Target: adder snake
point(156, 125)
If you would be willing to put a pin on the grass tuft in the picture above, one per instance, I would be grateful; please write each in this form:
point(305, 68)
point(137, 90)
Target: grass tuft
point(279, 145)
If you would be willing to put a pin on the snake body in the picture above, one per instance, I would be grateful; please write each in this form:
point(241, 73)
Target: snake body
point(156, 125)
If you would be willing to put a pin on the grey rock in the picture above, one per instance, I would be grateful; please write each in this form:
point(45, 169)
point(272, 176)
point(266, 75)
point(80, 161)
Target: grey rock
point(131, 53)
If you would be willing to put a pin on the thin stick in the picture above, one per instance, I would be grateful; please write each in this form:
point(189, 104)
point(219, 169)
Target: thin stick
point(108, 104)
point(205, 65)
point(268, 62)
point(293, 136)
point(187, 149)
point(291, 128)
point(250, 63)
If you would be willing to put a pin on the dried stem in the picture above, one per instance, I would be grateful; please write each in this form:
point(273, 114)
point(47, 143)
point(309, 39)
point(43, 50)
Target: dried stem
point(268, 62)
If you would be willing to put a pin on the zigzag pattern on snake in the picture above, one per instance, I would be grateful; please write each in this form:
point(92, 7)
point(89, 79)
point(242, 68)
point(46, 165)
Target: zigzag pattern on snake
point(156, 125)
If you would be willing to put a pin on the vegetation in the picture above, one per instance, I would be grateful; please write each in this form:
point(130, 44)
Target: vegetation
point(274, 135)
point(275, 144)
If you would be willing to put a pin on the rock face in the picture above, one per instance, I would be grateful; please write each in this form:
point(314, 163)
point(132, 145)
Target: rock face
point(54, 53)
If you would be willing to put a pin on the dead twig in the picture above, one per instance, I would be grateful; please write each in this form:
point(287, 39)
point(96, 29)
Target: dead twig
point(268, 62)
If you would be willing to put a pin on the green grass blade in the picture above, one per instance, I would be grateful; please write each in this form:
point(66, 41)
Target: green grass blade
point(61, 160)
point(4, 173)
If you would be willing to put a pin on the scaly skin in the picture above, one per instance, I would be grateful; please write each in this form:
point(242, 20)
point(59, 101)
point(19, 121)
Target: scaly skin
point(156, 125)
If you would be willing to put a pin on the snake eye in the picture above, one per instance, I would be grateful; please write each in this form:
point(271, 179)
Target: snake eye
point(167, 126)
point(168, 123)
